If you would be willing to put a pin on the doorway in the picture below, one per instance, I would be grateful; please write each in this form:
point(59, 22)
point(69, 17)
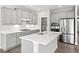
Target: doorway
point(43, 24)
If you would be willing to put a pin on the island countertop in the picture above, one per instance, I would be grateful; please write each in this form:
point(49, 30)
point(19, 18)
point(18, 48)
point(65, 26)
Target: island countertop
point(44, 39)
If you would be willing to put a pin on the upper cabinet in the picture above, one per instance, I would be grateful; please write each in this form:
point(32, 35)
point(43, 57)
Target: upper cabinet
point(70, 14)
point(13, 19)
point(34, 19)
point(18, 16)
point(14, 16)
point(55, 17)
point(6, 15)
point(31, 16)
point(10, 16)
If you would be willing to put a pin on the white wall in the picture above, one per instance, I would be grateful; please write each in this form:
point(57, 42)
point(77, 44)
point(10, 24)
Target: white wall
point(44, 13)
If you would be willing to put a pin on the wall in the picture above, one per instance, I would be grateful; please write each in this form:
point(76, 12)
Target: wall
point(44, 13)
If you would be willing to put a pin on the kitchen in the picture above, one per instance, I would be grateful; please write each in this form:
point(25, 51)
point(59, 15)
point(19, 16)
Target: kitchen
point(39, 23)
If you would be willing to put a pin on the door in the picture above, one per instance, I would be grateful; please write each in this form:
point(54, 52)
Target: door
point(69, 26)
point(67, 38)
point(62, 26)
point(43, 24)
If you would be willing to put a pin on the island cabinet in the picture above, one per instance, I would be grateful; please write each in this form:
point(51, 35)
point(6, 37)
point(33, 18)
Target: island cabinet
point(39, 43)
point(28, 46)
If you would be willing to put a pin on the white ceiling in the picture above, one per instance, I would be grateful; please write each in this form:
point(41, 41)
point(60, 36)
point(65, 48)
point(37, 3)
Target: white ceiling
point(50, 7)
point(40, 7)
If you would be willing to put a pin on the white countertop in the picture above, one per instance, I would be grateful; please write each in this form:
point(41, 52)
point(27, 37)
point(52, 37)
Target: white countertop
point(15, 28)
point(42, 39)
point(12, 31)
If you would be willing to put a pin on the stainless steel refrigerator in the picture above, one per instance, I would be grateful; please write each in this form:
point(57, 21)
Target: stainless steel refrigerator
point(67, 27)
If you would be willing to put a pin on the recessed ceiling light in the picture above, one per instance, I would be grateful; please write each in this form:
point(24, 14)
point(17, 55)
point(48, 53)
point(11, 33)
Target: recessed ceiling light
point(59, 6)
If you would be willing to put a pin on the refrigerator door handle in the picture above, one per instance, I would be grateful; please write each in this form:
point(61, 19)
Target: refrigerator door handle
point(61, 29)
point(64, 29)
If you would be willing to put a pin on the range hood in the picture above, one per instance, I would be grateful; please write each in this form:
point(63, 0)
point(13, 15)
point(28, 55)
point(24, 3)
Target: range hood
point(24, 19)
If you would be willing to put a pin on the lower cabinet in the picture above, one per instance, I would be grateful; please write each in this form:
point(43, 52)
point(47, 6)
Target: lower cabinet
point(8, 41)
point(18, 41)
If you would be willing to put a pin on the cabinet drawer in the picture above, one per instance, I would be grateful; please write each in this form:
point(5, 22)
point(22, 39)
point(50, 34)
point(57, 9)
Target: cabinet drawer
point(11, 35)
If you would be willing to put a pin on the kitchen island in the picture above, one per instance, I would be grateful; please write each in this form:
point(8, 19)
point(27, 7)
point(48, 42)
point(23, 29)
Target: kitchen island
point(39, 43)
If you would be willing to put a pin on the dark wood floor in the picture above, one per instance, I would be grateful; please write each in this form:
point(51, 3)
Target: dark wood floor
point(14, 50)
point(67, 48)
point(62, 48)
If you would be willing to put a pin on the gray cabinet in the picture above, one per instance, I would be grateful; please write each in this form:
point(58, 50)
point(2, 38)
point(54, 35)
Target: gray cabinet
point(10, 16)
point(31, 16)
point(11, 40)
point(18, 41)
point(6, 16)
point(55, 17)
point(70, 14)
point(34, 19)
point(13, 19)
point(8, 41)
point(13, 16)
point(18, 16)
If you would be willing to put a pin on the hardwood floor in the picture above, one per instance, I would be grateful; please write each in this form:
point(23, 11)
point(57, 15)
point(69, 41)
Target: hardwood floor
point(67, 48)
point(14, 50)
point(62, 48)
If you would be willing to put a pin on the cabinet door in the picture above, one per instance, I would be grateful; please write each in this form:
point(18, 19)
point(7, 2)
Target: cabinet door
point(18, 16)
point(24, 14)
point(56, 16)
point(70, 14)
point(18, 40)
point(10, 40)
point(6, 16)
point(34, 19)
point(13, 21)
